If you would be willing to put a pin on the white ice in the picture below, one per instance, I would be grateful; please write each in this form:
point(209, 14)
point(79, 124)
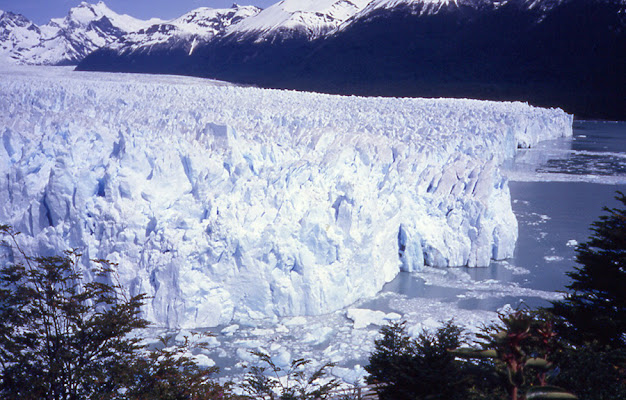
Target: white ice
point(226, 203)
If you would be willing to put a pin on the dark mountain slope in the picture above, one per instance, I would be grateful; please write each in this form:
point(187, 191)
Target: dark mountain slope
point(571, 55)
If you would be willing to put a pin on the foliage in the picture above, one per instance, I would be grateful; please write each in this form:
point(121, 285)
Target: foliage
point(291, 384)
point(421, 368)
point(61, 338)
point(521, 345)
point(168, 374)
point(592, 372)
point(595, 308)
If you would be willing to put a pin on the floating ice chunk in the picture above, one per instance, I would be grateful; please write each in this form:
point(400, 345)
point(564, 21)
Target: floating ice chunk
point(183, 336)
point(572, 243)
point(208, 341)
point(393, 317)
point(203, 361)
point(262, 332)
point(363, 317)
point(295, 321)
point(229, 330)
point(353, 376)
point(245, 355)
point(282, 359)
point(319, 335)
point(506, 309)
point(427, 325)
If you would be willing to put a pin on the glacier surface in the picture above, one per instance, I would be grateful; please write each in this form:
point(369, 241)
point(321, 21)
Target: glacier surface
point(229, 203)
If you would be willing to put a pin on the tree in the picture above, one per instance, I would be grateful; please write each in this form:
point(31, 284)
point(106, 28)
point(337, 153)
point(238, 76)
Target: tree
point(592, 372)
point(595, 308)
point(421, 368)
point(591, 319)
point(61, 338)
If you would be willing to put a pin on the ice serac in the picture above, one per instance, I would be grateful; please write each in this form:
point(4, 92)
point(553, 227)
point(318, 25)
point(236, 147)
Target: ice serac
point(226, 203)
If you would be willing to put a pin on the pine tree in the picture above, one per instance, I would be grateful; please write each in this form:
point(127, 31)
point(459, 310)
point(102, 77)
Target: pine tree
point(594, 310)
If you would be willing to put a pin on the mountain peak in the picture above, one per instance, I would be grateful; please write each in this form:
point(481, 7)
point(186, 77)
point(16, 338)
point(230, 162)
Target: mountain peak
point(313, 18)
point(85, 12)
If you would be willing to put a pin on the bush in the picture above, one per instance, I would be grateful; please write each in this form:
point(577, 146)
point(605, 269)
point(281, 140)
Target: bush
point(592, 372)
point(521, 347)
point(272, 382)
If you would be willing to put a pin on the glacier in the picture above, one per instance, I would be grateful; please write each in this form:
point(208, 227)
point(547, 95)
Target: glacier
point(229, 204)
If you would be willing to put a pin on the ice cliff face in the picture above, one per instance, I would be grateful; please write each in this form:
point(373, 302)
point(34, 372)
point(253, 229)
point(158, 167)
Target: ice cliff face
point(228, 203)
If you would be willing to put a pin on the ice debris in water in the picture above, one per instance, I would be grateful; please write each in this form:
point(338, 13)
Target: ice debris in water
point(227, 203)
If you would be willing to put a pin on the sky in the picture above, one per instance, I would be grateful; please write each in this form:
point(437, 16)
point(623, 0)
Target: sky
point(41, 11)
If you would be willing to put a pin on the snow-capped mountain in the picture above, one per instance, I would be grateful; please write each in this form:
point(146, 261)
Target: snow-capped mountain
point(286, 19)
point(548, 52)
point(67, 40)
point(17, 34)
point(186, 32)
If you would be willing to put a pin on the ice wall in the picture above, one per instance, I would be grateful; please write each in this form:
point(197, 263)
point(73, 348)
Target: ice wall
point(226, 202)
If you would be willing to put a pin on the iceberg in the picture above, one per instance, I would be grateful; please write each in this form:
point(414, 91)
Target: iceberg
point(227, 204)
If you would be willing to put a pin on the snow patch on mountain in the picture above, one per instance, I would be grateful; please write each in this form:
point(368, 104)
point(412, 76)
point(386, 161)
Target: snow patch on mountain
point(68, 40)
point(431, 7)
point(196, 26)
point(17, 33)
point(227, 203)
point(308, 18)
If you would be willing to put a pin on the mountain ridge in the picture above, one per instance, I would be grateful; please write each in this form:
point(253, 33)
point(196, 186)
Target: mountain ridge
point(565, 53)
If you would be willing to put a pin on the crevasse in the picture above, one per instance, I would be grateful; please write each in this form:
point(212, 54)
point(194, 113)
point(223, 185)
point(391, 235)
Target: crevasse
point(227, 203)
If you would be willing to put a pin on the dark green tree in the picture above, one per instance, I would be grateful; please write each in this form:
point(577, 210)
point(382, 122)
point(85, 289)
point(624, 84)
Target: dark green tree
point(420, 368)
point(594, 309)
point(592, 372)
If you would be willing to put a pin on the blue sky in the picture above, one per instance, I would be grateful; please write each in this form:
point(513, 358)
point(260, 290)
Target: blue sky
point(40, 11)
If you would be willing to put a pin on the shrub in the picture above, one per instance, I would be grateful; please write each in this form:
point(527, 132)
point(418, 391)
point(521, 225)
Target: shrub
point(521, 346)
point(272, 382)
